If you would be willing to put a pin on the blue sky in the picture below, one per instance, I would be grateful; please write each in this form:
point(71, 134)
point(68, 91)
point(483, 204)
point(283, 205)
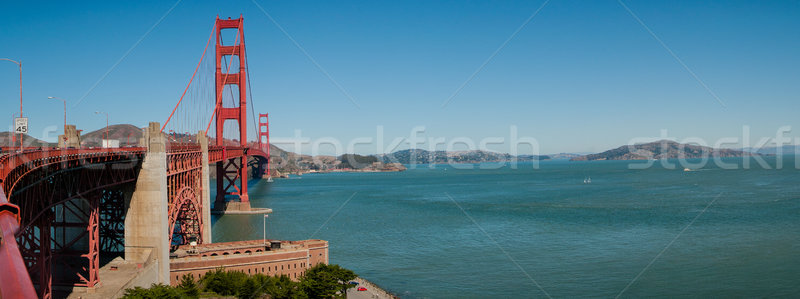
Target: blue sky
point(581, 76)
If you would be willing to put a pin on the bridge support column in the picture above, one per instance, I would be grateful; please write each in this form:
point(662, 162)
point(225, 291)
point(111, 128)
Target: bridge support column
point(205, 192)
point(71, 140)
point(146, 222)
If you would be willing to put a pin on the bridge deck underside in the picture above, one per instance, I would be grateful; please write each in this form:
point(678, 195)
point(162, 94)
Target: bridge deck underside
point(72, 205)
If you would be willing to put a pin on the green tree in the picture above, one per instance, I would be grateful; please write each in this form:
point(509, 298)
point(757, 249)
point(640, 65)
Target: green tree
point(156, 291)
point(283, 287)
point(225, 283)
point(249, 289)
point(325, 281)
point(188, 287)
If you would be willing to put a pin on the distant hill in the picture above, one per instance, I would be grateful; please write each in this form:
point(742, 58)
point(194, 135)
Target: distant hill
point(128, 135)
point(6, 140)
point(663, 149)
point(566, 156)
point(784, 150)
point(420, 156)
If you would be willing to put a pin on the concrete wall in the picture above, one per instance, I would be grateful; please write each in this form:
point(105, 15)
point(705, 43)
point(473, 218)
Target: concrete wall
point(249, 257)
point(205, 196)
point(146, 219)
point(73, 139)
point(293, 264)
point(144, 278)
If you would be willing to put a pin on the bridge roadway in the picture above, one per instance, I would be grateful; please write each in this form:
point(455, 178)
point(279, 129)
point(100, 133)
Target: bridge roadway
point(61, 208)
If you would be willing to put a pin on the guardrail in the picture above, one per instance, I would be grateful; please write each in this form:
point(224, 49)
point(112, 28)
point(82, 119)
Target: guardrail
point(14, 279)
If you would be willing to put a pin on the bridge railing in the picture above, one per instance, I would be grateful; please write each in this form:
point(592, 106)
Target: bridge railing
point(16, 283)
point(182, 147)
point(220, 153)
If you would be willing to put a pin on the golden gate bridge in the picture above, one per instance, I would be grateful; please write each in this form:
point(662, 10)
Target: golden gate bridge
point(63, 210)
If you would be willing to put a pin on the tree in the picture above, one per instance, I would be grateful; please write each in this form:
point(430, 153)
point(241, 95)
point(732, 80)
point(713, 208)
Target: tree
point(283, 287)
point(249, 289)
point(325, 281)
point(223, 283)
point(156, 291)
point(188, 287)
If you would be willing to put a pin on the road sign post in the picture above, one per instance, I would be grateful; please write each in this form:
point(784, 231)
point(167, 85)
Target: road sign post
point(21, 125)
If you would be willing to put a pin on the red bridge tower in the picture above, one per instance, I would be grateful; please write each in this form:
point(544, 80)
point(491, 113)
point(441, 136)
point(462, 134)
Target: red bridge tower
point(232, 170)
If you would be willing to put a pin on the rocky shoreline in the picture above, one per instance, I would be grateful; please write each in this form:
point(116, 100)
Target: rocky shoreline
point(375, 167)
point(373, 291)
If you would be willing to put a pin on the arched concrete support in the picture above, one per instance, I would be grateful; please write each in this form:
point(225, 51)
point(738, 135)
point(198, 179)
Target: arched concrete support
point(146, 219)
point(205, 196)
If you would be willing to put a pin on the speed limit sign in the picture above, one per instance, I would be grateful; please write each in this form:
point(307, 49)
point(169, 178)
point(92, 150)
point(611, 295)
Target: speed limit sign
point(21, 125)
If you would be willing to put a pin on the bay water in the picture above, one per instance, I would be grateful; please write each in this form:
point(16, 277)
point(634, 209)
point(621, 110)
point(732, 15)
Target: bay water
point(443, 231)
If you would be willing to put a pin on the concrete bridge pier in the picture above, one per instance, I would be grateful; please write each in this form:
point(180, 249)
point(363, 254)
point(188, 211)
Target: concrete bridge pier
point(205, 193)
point(146, 220)
point(71, 139)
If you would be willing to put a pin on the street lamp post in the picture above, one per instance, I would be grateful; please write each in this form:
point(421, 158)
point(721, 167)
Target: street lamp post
point(65, 116)
point(98, 112)
point(13, 138)
point(19, 64)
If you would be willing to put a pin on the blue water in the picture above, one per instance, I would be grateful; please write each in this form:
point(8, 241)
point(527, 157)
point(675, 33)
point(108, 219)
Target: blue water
point(523, 232)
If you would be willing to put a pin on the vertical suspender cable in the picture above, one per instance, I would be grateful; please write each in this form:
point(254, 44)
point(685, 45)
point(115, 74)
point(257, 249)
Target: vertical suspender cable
point(190, 80)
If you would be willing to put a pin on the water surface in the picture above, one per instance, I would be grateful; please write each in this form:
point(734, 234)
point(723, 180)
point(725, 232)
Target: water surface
point(521, 227)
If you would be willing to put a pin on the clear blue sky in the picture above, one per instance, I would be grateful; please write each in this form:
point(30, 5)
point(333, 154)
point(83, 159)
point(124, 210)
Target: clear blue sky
point(581, 76)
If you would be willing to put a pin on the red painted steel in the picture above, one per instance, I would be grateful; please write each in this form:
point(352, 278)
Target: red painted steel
point(184, 184)
point(82, 182)
point(14, 279)
point(45, 181)
point(263, 131)
point(236, 171)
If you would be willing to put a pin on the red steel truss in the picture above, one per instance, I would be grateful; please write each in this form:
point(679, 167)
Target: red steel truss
point(184, 188)
point(263, 131)
point(59, 193)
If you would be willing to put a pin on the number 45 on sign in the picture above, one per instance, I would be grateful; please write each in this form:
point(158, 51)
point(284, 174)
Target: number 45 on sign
point(21, 125)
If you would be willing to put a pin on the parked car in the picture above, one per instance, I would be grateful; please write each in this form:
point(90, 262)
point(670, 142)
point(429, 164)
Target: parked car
point(361, 289)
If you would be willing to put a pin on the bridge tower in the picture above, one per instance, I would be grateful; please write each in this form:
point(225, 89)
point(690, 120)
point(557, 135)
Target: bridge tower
point(231, 171)
point(263, 131)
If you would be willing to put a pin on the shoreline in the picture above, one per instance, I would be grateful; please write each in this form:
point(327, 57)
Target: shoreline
point(373, 290)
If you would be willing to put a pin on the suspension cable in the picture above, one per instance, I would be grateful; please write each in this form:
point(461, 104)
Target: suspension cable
point(190, 80)
point(250, 92)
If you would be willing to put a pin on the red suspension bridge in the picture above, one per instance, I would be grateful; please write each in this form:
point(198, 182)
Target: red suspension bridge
point(64, 211)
